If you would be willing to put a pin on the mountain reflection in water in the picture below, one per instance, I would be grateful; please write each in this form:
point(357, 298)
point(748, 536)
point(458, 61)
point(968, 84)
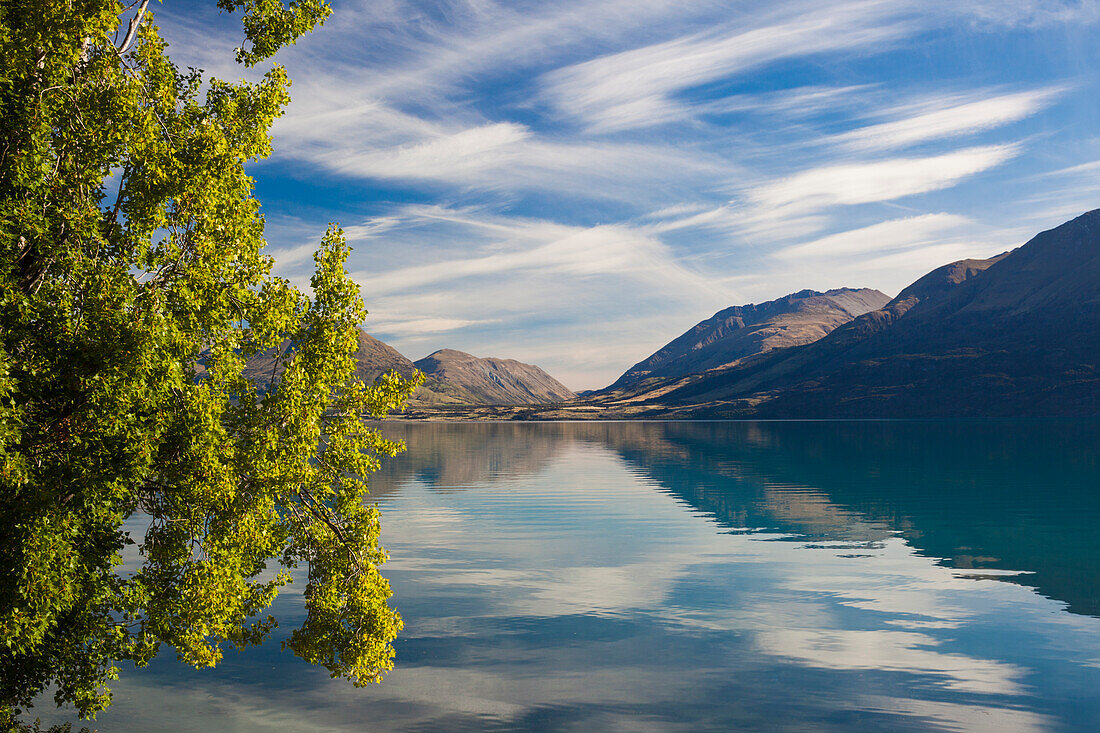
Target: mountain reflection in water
point(706, 576)
point(1017, 496)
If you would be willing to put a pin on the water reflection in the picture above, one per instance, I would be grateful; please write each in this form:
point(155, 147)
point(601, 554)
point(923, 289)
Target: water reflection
point(454, 456)
point(708, 576)
point(1017, 496)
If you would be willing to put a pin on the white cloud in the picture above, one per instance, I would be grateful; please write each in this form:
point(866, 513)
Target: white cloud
point(882, 237)
point(944, 118)
point(397, 108)
point(994, 14)
point(791, 103)
point(673, 211)
point(613, 250)
point(371, 229)
point(559, 223)
point(369, 139)
point(576, 300)
point(719, 216)
point(1090, 169)
point(452, 156)
point(433, 56)
point(882, 180)
point(420, 326)
point(635, 88)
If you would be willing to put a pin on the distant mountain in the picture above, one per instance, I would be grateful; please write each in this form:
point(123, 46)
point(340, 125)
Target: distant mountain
point(373, 359)
point(491, 381)
point(747, 330)
point(453, 377)
point(1018, 334)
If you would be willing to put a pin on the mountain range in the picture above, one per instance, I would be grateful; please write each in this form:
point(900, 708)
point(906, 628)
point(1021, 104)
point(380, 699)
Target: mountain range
point(1013, 335)
point(1016, 334)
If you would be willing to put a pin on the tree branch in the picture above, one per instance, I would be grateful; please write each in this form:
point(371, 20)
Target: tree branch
point(132, 30)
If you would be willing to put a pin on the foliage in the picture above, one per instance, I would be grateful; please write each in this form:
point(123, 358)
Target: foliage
point(133, 289)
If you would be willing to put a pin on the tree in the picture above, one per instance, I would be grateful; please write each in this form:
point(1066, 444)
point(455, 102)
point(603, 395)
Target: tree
point(133, 289)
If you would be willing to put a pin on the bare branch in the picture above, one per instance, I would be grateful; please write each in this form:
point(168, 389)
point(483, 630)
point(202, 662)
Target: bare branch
point(132, 30)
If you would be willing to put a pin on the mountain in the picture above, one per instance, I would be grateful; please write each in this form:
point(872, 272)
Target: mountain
point(453, 377)
point(373, 358)
point(1018, 334)
point(492, 381)
point(746, 330)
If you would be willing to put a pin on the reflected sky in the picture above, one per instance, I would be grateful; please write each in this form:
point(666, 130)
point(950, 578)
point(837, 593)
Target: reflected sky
point(695, 576)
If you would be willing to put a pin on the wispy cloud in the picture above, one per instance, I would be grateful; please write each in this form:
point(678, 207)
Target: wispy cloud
point(483, 277)
point(421, 326)
point(881, 180)
point(1092, 168)
point(795, 103)
point(878, 238)
point(548, 248)
point(636, 88)
point(455, 156)
point(941, 118)
point(989, 15)
point(372, 140)
point(595, 177)
point(429, 52)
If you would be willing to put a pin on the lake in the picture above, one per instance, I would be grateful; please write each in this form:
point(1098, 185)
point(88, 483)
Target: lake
point(705, 576)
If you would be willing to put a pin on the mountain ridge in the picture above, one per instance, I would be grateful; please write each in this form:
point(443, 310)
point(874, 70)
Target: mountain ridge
point(492, 380)
point(995, 337)
point(1014, 335)
point(743, 331)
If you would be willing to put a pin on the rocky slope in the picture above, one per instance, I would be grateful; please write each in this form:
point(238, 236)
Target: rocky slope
point(742, 331)
point(491, 381)
point(374, 358)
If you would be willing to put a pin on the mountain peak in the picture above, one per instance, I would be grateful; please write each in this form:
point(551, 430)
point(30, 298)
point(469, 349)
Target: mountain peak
point(741, 331)
point(492, 380)
point(449, 354)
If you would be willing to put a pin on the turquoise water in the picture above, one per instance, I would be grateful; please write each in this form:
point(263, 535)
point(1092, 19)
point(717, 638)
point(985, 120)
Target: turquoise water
point(706, 576)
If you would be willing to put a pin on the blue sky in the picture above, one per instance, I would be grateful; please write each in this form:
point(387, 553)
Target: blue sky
point(575, 183)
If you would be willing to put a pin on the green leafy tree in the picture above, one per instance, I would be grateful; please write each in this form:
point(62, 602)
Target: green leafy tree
point(133, 290)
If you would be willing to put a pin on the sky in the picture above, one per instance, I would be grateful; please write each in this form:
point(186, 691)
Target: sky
point(575, 183)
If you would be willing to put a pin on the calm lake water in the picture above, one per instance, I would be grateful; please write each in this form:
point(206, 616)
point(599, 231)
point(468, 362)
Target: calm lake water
point(706, 576)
